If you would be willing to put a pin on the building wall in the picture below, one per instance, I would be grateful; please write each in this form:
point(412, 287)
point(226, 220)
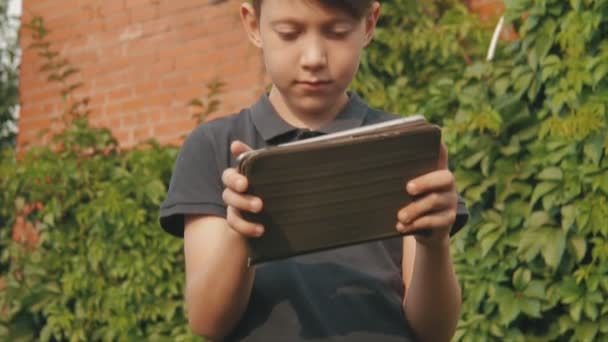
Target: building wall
point(142, 61)
point(487, 9)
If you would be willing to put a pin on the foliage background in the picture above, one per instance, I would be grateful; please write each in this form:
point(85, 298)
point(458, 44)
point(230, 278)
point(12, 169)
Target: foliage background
point(527, 139)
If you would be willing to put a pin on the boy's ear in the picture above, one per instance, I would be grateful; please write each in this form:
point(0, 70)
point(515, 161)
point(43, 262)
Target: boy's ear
point(370, 22)
point(251, 24)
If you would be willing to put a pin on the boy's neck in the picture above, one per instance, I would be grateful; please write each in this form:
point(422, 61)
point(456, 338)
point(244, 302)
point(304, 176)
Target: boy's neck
point(312, 121)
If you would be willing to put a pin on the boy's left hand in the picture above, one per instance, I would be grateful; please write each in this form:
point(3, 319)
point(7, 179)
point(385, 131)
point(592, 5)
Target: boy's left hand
point(434, 208)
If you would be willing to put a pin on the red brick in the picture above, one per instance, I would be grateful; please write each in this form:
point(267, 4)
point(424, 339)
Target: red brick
point(177, 128)
point(141, 61)
point(142, 13)
point(35, 125)
point(146, 88)
point(116, 21)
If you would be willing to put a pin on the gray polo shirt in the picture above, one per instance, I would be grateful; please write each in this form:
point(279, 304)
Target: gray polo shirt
point(348, 294)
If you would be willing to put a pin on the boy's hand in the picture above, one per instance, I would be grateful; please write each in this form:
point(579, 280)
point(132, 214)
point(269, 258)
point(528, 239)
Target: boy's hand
point(236, 201)
point(434, 207)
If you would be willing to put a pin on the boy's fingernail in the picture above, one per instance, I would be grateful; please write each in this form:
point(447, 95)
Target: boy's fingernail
point(400, 227)
point(403, 217)
point(411, 187)
point(256, 205)
point(259, 230)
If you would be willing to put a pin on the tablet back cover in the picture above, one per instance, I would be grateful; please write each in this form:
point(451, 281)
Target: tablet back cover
point(335, 193)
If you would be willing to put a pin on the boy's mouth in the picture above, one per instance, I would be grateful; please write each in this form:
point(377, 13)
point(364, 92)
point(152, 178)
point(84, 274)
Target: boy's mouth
point(314, 85)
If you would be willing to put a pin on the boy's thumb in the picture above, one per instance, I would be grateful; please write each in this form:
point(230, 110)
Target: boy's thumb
point(237, 148)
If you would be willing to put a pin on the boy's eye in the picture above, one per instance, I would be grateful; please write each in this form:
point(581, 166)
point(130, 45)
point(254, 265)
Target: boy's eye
point(338, 32)
point(288, 35)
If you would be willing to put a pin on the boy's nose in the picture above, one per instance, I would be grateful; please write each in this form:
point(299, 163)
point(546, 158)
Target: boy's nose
point(314, 56)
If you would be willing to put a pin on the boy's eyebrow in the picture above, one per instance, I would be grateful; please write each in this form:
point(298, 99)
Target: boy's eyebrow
point(290, 21)
point(294, 21)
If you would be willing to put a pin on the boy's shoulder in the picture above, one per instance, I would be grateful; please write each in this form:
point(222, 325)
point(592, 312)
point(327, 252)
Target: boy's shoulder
point(222, 128)
point(223, 124)
point(376, 116)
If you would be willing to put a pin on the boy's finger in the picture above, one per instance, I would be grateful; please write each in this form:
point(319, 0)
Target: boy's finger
point(433, 202)
point(237, 148)
point(234, 180)
point(432, 181)
point(243, 227)
point(242, 202)
point(439, 220)
point(443, 157)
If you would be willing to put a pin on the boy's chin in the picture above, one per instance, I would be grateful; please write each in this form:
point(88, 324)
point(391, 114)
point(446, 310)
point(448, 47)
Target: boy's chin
point(315, 104)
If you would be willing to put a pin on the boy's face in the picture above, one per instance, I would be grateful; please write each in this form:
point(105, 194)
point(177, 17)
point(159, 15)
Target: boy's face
point(311, 53)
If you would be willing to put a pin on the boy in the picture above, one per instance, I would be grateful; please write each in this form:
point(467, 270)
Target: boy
point(393, 290)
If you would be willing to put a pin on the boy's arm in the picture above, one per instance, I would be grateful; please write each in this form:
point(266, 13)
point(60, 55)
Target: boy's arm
point(218, 280)
point(432, 295)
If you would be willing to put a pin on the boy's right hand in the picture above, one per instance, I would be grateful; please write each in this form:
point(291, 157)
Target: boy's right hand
point(237, 201)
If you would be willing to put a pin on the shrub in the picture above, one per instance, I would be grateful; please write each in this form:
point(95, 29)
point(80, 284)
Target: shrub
point(102, 268)
point(527, 137)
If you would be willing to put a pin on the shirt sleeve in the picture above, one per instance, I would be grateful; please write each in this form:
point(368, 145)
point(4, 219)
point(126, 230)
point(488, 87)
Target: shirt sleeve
point(462, 216)
point(196, 186)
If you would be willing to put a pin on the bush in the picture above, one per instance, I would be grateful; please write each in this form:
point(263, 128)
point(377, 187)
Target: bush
point(527, 137)
point(102, 268)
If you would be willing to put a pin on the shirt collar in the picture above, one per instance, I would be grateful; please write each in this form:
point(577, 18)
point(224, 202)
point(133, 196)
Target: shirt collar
point(270, 124)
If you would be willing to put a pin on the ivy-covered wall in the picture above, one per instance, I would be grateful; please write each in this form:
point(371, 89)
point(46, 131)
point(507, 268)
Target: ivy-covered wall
point(527, 138)
point(527, 135)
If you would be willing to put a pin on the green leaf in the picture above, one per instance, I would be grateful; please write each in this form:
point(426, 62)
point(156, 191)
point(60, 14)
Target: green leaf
point(542, 189)
point(554, 247)
point(579, 245)
point(155, 190)
point(575, 310)
point(594, 150)
point(509, 310)
point(551, 173)
point(501, 85)
point(523, 83)
point(591, 310)
point(489, 241)
point(538, 219)
point(551, 67)
point(466, 178)
point(544, 40)
point(521, 278)
point(529, 247)
point(531, 307)
point(585, 331)
point(536, 289)
point(575, 4)
point(568, 213)
point(604, 324)
point(473, 160)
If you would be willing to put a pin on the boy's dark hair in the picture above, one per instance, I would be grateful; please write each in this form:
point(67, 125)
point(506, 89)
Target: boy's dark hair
point(355, 8)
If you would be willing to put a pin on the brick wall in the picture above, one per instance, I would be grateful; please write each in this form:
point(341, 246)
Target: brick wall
point(142, 61)
point(487, 9)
